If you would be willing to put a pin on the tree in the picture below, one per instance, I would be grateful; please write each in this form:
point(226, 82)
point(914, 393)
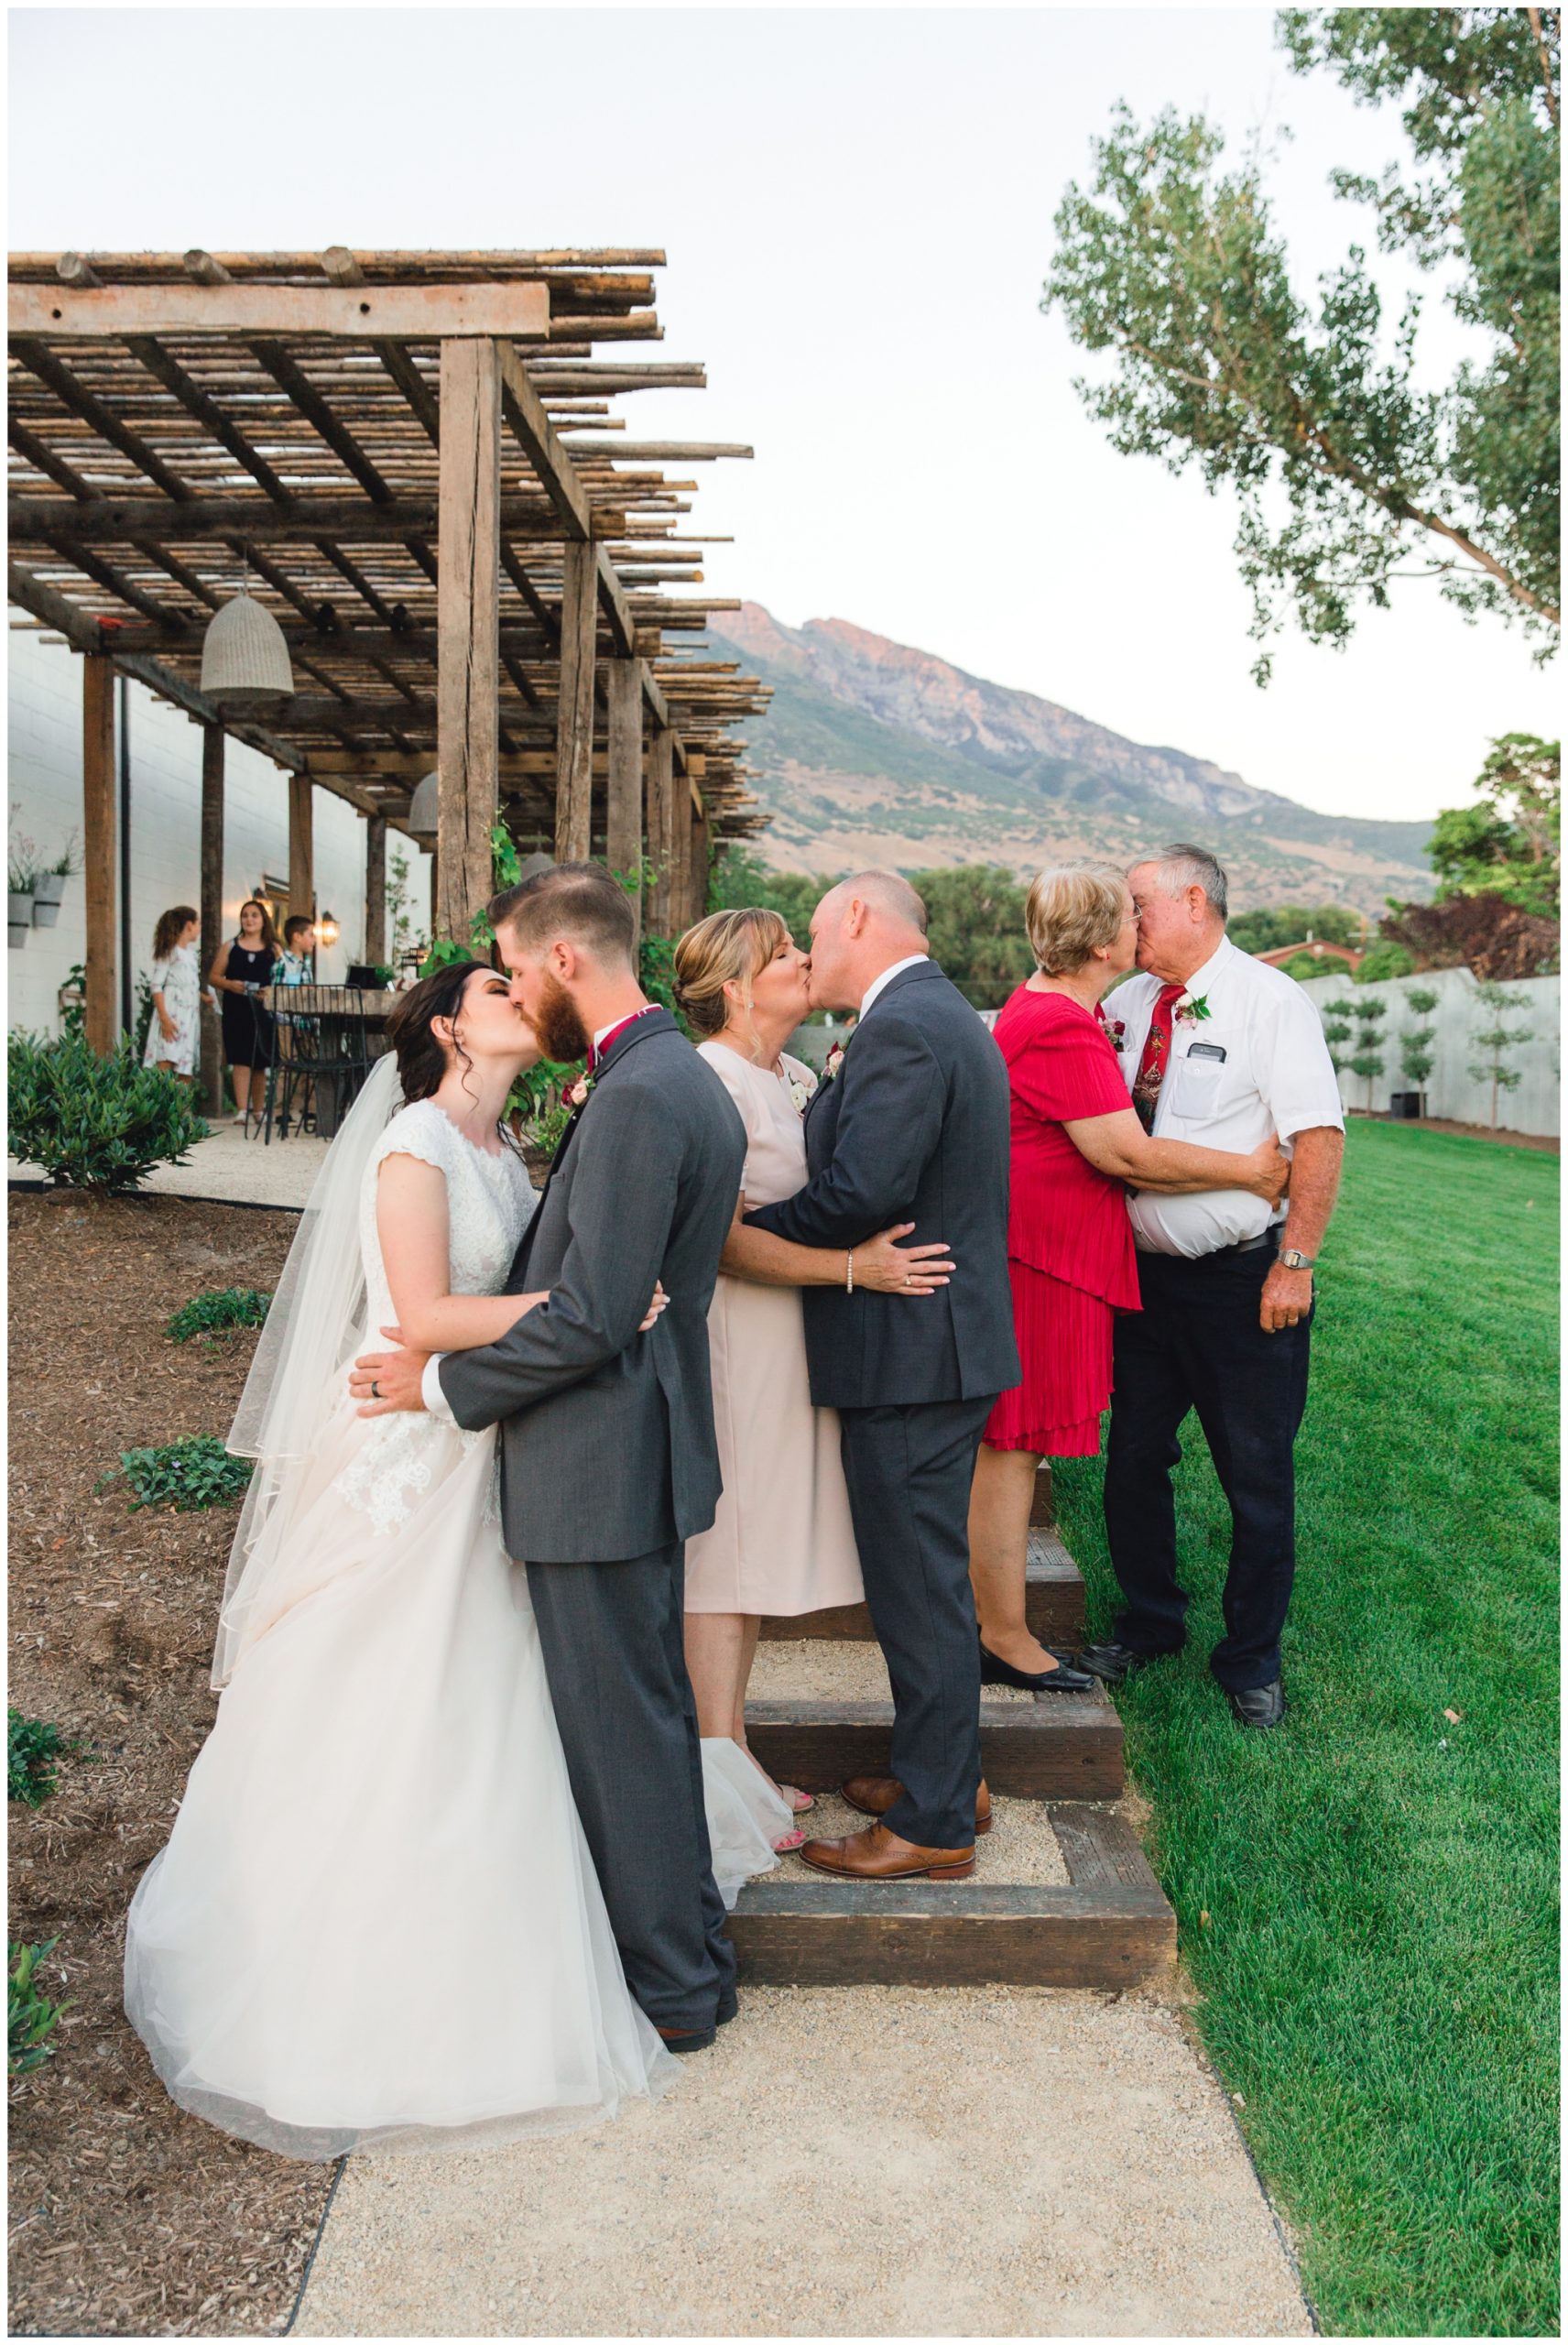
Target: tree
point(976, 918)
point(1341, 459)
point(1483, 933)
point(1383, 961)
point(741, 878)
point(1497, 1040)
point(1416, 1057)
point(1336, 1018)
point(1510, 843)
point(1269, 926)
point(1368, 1062)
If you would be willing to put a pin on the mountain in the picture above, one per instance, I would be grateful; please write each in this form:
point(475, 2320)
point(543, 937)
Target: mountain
point(871, 752)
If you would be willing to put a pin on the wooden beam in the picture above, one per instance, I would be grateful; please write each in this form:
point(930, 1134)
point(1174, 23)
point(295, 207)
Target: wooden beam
point(98, 830)
point(542, 445)
point(301, 845)
point(575, 715)
point(679, 826)
point(518, 310)
point(211, 909)
point(623, 796)
point(376, 890)
point(468, 603)
point(160, 520)
point(662, 830)
point(700, 855)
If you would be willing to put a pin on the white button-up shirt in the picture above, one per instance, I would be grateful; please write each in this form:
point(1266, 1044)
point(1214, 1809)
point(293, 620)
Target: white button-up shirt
point(1275, 1076)
point(878, 985)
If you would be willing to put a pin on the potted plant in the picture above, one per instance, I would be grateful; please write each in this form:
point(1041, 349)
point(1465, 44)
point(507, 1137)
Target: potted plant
point(48, 885)
point(22, 875)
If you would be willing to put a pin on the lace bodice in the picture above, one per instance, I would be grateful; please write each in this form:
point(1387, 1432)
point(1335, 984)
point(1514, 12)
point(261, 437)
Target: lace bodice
point(490, 1203)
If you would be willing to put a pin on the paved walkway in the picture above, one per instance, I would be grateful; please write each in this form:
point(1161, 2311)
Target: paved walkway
point(231, 1168)
point(846, 2162)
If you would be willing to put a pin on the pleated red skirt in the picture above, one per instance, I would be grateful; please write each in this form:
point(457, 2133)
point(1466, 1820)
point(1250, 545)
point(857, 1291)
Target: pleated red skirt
point(1065, 1343)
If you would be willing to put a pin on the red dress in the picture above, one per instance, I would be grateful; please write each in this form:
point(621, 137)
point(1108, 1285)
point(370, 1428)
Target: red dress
point(1070, 1243)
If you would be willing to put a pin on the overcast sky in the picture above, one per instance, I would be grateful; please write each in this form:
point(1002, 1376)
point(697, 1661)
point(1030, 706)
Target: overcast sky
point(857, 206)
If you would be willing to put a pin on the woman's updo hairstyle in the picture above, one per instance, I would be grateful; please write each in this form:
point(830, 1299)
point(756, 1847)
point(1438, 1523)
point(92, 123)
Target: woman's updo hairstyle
point(422, 1056)
point(727, 948)
point(1073, 907)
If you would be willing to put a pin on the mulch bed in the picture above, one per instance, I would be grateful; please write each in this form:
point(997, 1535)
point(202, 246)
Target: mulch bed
point(130, 2218)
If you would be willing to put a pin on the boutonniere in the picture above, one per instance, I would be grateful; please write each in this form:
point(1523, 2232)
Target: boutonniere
point(1117, 1029)
point(801, 1092)
point(1192, 1008)
point(835, 1061)
point(577, 1094)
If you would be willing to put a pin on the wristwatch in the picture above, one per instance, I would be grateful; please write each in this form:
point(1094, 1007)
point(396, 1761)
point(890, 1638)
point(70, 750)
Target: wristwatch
point(1293, 1258)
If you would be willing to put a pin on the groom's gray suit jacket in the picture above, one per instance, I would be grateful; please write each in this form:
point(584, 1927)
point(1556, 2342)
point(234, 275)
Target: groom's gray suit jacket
point(607, 1446)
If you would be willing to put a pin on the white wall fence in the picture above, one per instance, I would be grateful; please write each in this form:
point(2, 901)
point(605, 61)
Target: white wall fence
point(1534, 1106)
point(44, 791)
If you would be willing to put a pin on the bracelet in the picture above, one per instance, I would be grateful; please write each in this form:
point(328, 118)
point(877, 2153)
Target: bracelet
point(849, 1271)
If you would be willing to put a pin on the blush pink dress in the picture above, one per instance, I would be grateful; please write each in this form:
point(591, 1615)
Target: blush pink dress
point(782, 1542)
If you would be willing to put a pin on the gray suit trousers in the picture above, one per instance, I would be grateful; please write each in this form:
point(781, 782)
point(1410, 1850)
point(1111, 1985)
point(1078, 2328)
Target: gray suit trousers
point(613, 1651)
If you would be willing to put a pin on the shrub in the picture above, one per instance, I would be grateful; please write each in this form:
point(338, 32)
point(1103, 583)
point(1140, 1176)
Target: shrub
point(92, 1122)
point(1386, 960)
point(31, 2017)
point(187, 1475)
point(216, 1312)
point(33, 1750)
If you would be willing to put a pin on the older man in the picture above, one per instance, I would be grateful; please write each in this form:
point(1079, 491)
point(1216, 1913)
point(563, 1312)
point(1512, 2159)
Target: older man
point(1223, 1050)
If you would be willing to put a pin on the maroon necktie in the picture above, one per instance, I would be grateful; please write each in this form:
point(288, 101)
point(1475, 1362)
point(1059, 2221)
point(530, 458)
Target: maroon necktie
point(1156, 1056)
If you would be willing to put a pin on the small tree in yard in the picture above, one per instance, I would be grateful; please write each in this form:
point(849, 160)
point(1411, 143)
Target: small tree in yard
point(1497, 1040)
point(1336, 1018)
point(1415, 1042)
point(1368, 1062)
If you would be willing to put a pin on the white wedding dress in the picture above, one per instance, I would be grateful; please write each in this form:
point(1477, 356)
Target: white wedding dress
point(376, 1926)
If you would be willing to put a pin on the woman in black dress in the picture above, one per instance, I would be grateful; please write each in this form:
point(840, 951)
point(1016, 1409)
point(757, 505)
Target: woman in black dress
point(247, 960)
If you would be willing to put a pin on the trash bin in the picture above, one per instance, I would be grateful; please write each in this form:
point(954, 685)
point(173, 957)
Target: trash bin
point(1406, 1106)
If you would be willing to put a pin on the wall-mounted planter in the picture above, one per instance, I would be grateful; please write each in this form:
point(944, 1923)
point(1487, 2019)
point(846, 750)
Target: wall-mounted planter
point(46, 911)
point(21, 909)
point(48, 888)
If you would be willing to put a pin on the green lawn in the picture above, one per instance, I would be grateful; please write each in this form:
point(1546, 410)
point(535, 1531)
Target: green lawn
point(1366, 1897)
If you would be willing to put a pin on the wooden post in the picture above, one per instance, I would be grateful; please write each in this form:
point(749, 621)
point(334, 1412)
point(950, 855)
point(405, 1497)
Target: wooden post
point(697, 861)
point(623, 818)
point(98, 846)
point(575, 715)
point(376, 890)
point(302, 847)
point(681, 896)
point(662, 788)
point(467, 617)
point(212, 909)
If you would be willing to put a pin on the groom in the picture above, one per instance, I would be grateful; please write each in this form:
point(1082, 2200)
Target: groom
point(912, 1126)
point(608, 1460)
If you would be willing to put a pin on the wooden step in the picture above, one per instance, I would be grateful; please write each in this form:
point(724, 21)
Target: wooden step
point(1051, 1746)
point(1053, 1602)
point(1106, 1924)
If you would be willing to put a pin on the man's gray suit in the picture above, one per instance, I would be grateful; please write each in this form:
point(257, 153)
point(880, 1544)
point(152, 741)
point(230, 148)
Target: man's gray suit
point(915, 1127)
point(609, 1466)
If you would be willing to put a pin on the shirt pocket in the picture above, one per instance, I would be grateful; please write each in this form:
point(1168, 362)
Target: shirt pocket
point(1196, 1086)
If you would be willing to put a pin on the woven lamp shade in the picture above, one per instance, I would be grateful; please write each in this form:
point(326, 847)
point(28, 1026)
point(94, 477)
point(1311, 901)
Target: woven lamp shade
point(245, 657)
point(424, 808)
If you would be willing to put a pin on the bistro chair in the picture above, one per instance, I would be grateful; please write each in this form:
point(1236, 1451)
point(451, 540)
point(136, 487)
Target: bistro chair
point(326, 1045)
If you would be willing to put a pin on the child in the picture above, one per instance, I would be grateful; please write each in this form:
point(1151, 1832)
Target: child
point(174, 1030)
point(293, 968)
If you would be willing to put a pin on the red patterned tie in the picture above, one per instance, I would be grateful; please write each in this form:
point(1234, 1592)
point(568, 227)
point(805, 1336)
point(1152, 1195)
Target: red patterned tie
point(1155, 1055)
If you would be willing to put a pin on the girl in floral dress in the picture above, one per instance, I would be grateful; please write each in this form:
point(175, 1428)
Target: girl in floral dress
point(174, 1030)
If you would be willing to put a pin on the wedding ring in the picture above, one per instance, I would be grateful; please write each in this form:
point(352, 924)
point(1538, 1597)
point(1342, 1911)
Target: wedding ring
point(375, 1390)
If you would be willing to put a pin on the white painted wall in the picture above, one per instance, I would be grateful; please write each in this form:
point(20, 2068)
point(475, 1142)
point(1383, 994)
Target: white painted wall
point(1535, 1106)
point(44, 791)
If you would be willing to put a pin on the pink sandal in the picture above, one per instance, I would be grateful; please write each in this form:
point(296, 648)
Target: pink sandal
point(799, 1801)
point(791, 1841)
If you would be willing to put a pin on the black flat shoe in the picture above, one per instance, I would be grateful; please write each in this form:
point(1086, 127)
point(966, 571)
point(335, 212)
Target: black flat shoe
point(1062, 1679)
point(1261, 1706)
point(1112, 1664)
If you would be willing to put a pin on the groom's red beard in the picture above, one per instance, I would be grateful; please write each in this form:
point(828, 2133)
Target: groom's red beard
point(562, 1036)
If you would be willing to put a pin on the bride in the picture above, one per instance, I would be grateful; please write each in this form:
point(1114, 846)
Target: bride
point(377, 1925)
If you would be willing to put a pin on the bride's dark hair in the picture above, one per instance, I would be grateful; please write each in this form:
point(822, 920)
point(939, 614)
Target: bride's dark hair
point(422, 1056)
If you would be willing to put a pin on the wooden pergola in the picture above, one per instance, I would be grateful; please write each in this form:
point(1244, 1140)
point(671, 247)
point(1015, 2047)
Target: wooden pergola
point(411, 460)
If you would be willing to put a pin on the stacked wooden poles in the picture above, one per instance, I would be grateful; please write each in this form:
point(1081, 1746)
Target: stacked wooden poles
point(98, 827)
point(574, 718)
point(212, 909)
point(467, 647)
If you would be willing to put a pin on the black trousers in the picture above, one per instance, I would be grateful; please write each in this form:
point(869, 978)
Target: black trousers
point(1197, 1344)
point(910, 1472)
point(611, 1635)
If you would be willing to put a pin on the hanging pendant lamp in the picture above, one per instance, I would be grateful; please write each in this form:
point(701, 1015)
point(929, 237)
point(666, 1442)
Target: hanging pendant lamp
point(424, 808)
point(245, 657)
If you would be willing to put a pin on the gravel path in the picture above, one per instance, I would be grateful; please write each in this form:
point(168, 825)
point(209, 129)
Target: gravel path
point(229, 1168)
point(847, 2162)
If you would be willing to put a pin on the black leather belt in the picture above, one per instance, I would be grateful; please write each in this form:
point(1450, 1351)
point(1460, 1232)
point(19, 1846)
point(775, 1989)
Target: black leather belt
point(1270, 1236)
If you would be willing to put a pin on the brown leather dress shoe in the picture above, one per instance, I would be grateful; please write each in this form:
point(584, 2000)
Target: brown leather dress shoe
point(880, 1855)
point(874, 1795)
